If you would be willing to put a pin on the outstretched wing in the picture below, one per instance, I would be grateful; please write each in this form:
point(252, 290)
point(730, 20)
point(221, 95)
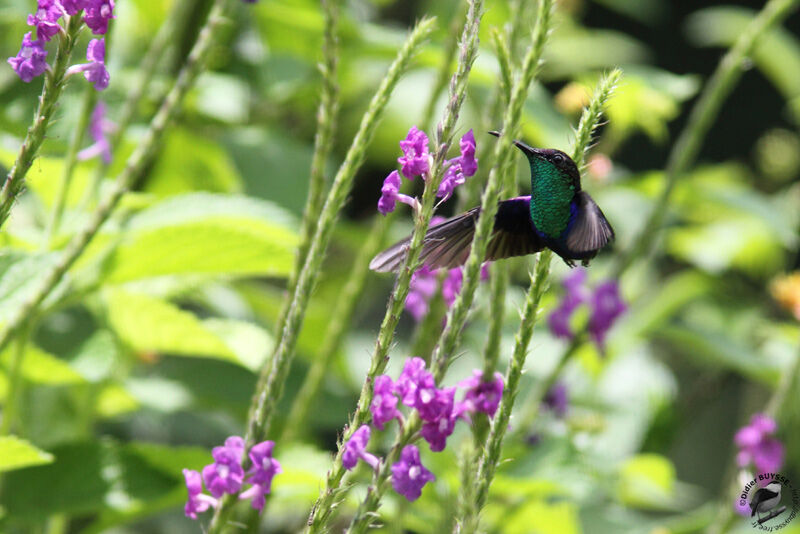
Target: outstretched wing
point(448, 244)
point(590, 230)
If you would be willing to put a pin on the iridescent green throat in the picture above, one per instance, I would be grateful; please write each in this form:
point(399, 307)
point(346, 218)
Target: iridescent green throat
point(551, 195)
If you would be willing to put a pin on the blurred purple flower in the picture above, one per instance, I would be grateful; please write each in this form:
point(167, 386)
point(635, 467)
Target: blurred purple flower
point(98, 14)
point(30, 61)
point(481, 396)
point(225, 475)
point(390, 194)
point(758, 446)
point(557, 399)
point(485, 271)
point(422, 288)
point(432, 403)
point(607, 305)
point(95, 71)
point(409, 475)
point(99, 126)
point(198, 501)
point(451, 286)
point(384, 402)
point(575, 295)
point(46, 19)
point(414, 160)
point(73, 6)
point(356, 447)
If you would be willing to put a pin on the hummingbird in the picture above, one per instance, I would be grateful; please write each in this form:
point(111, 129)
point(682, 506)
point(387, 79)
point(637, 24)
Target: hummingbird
point(557, 215)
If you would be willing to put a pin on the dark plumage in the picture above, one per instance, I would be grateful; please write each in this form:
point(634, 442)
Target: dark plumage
point(557, 215)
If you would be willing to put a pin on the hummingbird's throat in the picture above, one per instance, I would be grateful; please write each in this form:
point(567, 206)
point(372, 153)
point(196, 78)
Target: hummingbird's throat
point(551, 196)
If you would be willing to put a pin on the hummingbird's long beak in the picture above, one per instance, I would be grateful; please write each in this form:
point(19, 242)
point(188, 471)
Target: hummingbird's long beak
point(528, 150)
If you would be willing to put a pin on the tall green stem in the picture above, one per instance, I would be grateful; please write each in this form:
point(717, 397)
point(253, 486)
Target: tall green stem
point(130, 175)
point(685, 150)
point(14, 380)
point(323, 144)
point(54, 83)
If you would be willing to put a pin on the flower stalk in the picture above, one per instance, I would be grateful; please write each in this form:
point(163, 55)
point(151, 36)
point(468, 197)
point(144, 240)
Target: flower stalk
point(54, 83)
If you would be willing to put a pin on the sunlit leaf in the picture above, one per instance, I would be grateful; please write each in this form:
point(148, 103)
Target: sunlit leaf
point(646, 481)
point(16, 453)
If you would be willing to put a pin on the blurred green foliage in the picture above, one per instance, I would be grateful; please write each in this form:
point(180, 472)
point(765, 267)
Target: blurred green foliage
point(146, 354)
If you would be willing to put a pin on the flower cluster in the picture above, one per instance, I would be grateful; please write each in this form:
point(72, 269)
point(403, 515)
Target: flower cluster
point(31, 61)
point(605, 303)
point(424, 284)
point(417, 160)
point(436, 407)
point(758, 446)
point(226, 475)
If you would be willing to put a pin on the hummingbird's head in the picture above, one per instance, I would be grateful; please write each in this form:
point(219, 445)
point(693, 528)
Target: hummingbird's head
point(549, 161)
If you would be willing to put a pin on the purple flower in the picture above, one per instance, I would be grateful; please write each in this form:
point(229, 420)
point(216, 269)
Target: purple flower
point(415, 153)
point(198, 501)
point(98, 127)
point(390, 194)
point(73, 6)
point(432, 403)
point(485, 271)
point(411, 376)
point(46, 19)
point(264, 469)
point(98, 13)
point(481, 396)
point(459, 168)
point(757, 446)
point(437, 432)
point(557, 399)
point(225, 475)
point(409, 475)
point(607, 305)
point(576, 294)
point(356, 447)
point(451, 286)
point(94, 71)
point(422, 288)
point(384, 402)
point(30, 61)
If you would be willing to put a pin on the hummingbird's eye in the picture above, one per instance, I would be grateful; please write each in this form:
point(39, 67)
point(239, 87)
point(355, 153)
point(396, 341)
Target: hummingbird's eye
point(558, 159)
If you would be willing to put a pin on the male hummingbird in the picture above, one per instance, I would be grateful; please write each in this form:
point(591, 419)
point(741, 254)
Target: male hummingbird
point(556, 215)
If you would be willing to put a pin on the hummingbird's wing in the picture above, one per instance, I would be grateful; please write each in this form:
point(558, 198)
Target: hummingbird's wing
point(590, 230)
point(447, 244)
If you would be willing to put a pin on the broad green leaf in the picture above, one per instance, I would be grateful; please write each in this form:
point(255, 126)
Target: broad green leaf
point(16, 453)
point(208, 234)
point(542, 517)
point(647, 481)
point(114, 400)
point(44, 176)
point(148, 324)
point(41, 367)
point(19, 275)
point(248, 341)
point(191, 162)
point(92, 477)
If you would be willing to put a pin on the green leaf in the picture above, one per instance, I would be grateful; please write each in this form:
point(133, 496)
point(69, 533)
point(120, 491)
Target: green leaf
point(248, 341)
point(16, 453)
point(45, 175)
point(41, 367)
point(208, 234)
point(19, 275)
point(114, 400)
point(191, 162)
point(148, 324)
point(647, 481)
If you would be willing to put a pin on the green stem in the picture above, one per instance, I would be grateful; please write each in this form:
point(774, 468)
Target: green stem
point(685, 150)
point(323, 144)
point(128, 177)
point(14, 379)
point(54, 83)
point(333, 491)
point(443, 74)
point(70, 159)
